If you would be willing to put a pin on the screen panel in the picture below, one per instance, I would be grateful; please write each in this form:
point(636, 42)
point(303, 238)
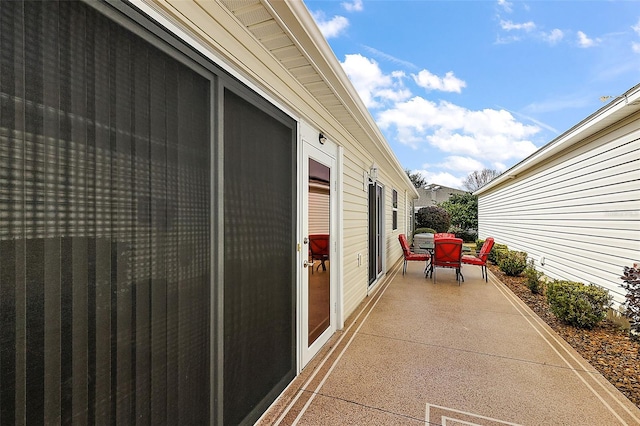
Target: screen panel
point(104, 223)
point(259, 265)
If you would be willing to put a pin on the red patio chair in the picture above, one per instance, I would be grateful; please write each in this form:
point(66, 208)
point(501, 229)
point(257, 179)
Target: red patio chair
point(481, 259)
point(408, 254)
point(319, 248)
point(447, 254)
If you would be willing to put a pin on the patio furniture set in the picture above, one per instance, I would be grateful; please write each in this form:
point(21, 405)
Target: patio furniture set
point(444, 250)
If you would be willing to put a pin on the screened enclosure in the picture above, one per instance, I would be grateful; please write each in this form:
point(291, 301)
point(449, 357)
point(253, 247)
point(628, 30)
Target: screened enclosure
point(109, 266)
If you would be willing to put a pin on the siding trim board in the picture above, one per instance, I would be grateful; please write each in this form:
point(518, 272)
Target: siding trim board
point(577, 206)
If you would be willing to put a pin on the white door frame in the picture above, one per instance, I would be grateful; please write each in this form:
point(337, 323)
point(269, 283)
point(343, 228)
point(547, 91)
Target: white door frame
point(327, 154)
point(380, 218)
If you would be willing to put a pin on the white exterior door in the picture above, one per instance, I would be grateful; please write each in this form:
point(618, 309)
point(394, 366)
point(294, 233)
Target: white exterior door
point(318, 250)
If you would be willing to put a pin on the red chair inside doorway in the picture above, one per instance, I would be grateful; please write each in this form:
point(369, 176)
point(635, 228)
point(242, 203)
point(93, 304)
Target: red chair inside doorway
point(319, 248)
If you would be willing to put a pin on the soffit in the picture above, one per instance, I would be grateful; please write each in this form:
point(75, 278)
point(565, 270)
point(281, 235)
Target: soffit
point(261, 23)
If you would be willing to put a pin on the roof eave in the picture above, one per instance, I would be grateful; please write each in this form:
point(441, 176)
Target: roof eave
point(340, 82)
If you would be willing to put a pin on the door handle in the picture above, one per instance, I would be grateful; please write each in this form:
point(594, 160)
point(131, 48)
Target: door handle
point(306, 263)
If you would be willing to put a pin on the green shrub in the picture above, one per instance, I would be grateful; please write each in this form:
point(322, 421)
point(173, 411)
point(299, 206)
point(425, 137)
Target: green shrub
point(534, 281)
point(496, 252)
point(466, 234)
point(512, 262)
point(479, 244)
point(433, 217)
point(424, 231)
point(578, 304)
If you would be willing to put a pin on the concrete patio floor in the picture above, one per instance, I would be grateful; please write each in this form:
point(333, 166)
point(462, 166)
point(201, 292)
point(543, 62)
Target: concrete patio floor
point(423, 353)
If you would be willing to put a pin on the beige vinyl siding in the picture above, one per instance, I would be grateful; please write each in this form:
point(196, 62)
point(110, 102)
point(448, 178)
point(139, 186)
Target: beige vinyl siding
point(355, 236)
point(355, 226)
point(393, 249)
point(580, 210)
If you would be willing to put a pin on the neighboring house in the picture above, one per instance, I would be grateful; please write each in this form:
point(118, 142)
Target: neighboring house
point(574, 205)
point(162, 164)
point(433, 194)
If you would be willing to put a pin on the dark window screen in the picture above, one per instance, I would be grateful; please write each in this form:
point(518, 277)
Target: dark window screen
point(373, 233)
point(104, 224)
point(394, 206)
point(259, 239)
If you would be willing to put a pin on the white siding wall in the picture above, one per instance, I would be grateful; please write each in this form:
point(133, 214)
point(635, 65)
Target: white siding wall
point(394, 251)
point(355, 230)
point(355, 222)
point(580, 210)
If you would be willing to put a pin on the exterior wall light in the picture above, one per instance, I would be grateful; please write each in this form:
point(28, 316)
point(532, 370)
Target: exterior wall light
point(322, 139)
point(373, 172)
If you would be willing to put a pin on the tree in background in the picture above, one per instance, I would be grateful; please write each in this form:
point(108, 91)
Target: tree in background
point(434, 217)
point(478, 179)
point(416, 178)
point(463, 210)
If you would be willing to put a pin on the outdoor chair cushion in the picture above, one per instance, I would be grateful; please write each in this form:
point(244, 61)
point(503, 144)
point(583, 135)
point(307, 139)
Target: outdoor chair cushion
point(472, 260)
point(417, 256)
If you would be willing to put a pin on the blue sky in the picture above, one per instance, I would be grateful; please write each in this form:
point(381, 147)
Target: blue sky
point(458, 86)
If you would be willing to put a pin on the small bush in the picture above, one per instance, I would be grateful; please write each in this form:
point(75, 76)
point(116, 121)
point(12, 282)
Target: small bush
point(479, 244)
point(534, 281)
point(424, 231)
point(631, 279)
point(578, 304)
point(512, 262)
point(496, 252)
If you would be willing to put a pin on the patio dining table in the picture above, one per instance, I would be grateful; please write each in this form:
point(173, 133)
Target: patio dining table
point(429, 247)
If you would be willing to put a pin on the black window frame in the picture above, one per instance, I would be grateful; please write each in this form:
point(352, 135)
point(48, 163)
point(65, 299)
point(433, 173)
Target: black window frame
point(394, 209)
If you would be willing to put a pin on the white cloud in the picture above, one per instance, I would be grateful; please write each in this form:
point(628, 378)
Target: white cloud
point(353, 6)
point(507, 6)
point(374, 87)
point(330, 28)
point(636, 27)
point(552, 37)
point(441, 178)
point(500, 167)
point(448, 83)
point(584, 41)
point(510, 26)
point(469, 138)
point(635, 47)
point(492, 135)
point(507, 40)
point(464, 165)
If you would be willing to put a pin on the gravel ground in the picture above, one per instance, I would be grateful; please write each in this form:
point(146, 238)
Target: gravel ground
point(607, 347)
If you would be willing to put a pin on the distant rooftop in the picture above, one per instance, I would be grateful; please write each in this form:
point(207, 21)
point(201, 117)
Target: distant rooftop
point(433, 194)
